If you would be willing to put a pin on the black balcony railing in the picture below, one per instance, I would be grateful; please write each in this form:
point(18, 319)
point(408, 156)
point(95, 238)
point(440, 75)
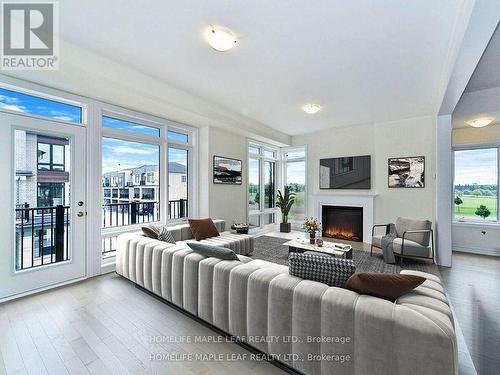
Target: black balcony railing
point(42, 235)
point(129, 213)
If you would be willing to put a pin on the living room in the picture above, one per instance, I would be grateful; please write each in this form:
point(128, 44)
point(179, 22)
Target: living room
point(250, 187)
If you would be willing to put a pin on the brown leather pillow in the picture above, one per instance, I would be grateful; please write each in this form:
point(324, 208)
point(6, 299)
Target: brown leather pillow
point(151, 231)
point(388, 286)
point(203, 228)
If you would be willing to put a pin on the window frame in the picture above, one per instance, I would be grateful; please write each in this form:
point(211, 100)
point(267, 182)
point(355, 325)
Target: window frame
point(285, 160)
point(163, 143)
point(47, 94)
point(474, 221)
point(261, 157)
point(51, 163)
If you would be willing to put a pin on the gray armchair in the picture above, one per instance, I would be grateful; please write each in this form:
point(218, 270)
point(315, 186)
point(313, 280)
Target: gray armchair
point(415, 238)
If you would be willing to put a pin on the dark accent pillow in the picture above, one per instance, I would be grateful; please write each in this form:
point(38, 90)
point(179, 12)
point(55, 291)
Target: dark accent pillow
point(388, 286)
point(203, 228)
point(213, 251)
point(166, 236)
point(324, 269)
point(151, 231)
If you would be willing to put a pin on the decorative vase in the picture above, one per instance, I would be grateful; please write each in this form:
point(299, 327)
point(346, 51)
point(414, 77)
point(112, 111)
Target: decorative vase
point(312, 237)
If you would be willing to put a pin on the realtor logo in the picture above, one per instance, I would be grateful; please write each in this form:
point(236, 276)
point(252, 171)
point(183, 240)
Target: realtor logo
point(30, 38)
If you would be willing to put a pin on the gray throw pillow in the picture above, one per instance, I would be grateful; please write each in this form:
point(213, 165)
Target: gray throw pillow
point(166, 236)
point(324, 269)
point(151, 231)
point(213, 251)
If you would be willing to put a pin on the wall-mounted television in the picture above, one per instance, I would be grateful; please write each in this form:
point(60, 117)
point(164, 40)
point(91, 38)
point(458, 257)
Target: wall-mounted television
point(352, 172)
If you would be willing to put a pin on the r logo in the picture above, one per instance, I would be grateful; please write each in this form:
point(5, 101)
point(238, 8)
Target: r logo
point(28, 29)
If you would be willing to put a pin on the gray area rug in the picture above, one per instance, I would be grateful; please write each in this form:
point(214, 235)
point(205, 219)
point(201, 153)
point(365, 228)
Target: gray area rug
point(272, 249)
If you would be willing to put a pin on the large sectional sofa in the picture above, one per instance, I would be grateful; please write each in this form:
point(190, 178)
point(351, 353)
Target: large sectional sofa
point(311, 327)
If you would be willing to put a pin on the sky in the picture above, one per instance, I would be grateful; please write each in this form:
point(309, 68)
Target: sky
point(476, 166)
point(15, 101)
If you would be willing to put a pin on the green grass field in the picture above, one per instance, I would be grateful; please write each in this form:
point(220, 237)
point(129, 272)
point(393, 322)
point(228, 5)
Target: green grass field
point(471, 203)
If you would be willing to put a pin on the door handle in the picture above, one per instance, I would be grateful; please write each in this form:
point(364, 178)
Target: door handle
point(80, 203)
point(79, 214)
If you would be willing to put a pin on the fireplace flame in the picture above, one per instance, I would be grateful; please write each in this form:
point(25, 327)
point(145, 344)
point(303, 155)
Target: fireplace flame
point(341, 234)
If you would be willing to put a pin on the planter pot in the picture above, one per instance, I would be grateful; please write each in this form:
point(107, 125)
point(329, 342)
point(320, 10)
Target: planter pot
point(285, 227)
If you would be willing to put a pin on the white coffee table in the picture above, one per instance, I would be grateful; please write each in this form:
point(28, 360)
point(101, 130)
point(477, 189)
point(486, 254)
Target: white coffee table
point(301, 246)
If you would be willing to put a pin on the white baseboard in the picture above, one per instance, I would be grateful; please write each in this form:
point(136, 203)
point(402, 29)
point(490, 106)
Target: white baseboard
point(477, 250)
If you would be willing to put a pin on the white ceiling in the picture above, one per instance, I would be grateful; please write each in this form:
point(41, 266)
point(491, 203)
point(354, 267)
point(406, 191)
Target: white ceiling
point(487, 73)
point(363, 61)
point(482, 94)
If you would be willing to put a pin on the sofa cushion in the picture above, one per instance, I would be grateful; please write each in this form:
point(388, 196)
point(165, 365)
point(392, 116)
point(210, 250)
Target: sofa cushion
point(213, 251)
point(383, 285)
point(405, 224)
point(410, 248)
point(166, 236)
point(151, 231)
point(324, 269)
point(203, 228)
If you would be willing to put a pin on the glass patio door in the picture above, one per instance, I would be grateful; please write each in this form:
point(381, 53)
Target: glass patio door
point(43, 203)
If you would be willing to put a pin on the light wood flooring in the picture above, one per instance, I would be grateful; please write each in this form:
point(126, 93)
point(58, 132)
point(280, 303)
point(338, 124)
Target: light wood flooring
point(107, 326)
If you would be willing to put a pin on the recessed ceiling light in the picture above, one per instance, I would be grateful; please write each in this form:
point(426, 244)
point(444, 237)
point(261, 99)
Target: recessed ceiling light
point(311, 108)
point(221, 38)
point(480, 122)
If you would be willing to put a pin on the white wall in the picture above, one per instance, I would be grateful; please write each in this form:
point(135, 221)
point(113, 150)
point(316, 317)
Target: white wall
point(219, 201)
point(476, 237)
point(410, 137)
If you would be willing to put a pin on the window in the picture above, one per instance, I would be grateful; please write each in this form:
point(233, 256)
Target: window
point(294, 176)
point(50, 194)
point(51, 153)
point(129, 126)
point(129, 165)
point(177, 137)
point(178, 160)
point(18, 102)
point(262, 182)
point(476, 184)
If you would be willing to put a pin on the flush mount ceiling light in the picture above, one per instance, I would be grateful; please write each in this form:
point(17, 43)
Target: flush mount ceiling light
point(480, 122)
point(221, 38)
point(311, 108)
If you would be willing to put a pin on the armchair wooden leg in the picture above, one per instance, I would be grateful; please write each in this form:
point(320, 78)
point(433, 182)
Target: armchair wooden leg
point(371, 250)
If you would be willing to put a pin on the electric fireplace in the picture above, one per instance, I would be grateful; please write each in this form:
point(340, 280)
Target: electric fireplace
point(341, 222)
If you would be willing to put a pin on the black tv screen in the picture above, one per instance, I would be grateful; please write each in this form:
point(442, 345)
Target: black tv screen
point(353, 172)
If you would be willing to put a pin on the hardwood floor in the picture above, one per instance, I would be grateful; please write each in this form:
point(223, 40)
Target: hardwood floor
point(473, 287)
point(107, 326)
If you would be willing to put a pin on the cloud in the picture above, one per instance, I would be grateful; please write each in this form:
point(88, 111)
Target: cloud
point(120, 150)
point(8, 99)
point(12, 107)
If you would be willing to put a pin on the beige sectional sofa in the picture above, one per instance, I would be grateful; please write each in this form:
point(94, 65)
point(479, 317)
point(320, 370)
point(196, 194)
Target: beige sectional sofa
point(311, 327)
point(239, 243)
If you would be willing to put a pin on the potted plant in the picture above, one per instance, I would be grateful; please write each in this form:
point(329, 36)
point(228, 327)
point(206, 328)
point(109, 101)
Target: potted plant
point(285, 202)
point(312, 225)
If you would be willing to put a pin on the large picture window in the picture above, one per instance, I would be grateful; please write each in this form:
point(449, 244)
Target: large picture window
point(262, 182)
point(294, 174)
point(476, 184)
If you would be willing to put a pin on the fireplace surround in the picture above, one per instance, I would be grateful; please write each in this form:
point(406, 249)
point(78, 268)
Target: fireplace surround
point(364, 200)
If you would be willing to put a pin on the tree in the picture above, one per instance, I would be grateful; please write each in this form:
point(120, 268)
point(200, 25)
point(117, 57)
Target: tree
point(477, 192)
point(483, 211)
point(458, 202)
